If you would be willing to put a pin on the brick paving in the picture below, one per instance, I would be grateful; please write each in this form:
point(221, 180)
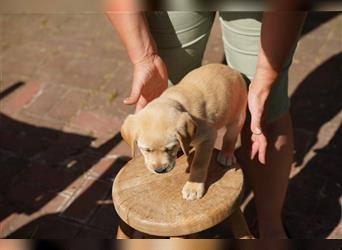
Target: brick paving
point(63, 81)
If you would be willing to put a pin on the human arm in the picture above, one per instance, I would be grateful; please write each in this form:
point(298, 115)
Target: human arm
point(150, 74)
point(279, 32)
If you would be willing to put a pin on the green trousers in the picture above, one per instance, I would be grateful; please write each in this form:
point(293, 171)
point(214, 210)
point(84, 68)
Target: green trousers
point(181, 39)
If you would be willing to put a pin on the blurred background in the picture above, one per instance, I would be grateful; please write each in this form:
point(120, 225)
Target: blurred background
point(170, 244)
point(63, 79)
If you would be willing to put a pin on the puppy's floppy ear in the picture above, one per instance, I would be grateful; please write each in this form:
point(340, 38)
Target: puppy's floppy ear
point(128, 132)
point(186, 129)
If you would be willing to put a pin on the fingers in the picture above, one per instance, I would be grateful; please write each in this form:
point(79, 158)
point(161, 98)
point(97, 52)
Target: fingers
point(135, 94)
point(259, 146)
point(262, 153)
point(259, 142)
point(254, 150)
point(141, 104)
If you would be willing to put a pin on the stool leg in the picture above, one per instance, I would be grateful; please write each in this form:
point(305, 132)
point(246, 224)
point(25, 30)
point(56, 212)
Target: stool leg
point(124, 231)
point(120, 235)
point(238, 225)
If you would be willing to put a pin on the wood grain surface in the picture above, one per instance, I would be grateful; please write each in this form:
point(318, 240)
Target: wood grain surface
point(153, 204)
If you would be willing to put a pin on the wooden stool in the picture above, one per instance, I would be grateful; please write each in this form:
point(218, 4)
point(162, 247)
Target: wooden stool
point(153, 204)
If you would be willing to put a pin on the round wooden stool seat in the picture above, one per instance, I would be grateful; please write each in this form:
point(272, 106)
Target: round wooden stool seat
point(153, 203)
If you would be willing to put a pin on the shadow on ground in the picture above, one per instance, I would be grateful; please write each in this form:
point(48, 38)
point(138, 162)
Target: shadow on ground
point(37, 163)
point(314, 191)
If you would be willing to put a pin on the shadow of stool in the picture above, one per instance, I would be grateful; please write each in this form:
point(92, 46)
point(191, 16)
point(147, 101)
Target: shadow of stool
point(152, 204)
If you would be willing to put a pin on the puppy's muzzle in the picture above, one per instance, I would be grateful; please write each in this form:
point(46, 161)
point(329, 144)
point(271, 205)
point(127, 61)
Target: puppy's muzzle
point(164, 169)
point(160, 170)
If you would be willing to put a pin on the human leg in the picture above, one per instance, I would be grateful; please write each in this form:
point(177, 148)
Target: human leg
point(241, 36)
point(181, 38)
point(269, 182)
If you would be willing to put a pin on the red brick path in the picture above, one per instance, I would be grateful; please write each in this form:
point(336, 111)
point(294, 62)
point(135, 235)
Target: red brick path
point(63, 81)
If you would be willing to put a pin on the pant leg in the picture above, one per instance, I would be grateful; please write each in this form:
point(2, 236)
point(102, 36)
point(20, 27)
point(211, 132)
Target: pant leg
point(241, 38)
point(181, 39)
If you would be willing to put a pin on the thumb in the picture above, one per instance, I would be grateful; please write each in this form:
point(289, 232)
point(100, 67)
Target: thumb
point(135, 94)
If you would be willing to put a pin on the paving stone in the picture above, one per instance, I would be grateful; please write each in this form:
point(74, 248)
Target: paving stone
point(14, 222)
point(95, 122)
point(92, 25)
point(38, 125)
point(54, 68)
point(103, 103)
point(31, 57)
point(303, 141)
point(99, 144)
point(68, 129)
point(47, 227)
point(121, 77)
point(85, 203)
point(67, 146)
point(6, 215)
point(11, 166)
point(96, 77)
point(326, 166)
point(329, 49)
point(107, 168)
point(315, 101)
point(106, 217)
point(68, 105)
point(303, 194)
point(22, 144)
point(324, 30)
point(11, 82)
point(328, 212)
point(122, 110)
point(24, 222)
point(75, 72)
point(27, 197)
point(102, 167)
point(297, 73)
point(104, 145)
point(298, 225)
point(52, 178)
point(56, 205)
point(121, 149)
point(9, 124)
point(22, 97)
point(50, 96)
point(32, 28)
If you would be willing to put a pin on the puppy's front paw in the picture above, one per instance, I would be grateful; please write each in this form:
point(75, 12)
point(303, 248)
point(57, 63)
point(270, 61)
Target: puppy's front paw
point(193, 190)
point(224, 160)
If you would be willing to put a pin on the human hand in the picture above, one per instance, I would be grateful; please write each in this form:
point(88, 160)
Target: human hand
point(149, 81)
point(257, 101)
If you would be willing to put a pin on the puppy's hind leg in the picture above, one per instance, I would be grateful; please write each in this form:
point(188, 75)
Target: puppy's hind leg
point(226, 156)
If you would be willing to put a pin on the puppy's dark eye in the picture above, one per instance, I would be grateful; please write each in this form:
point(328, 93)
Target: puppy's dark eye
point(148, 150)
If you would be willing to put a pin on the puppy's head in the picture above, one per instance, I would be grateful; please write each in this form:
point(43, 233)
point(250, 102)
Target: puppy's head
point(159, 136)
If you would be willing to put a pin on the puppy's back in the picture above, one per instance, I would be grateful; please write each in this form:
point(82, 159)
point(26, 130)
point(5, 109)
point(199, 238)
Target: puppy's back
point(211, 92)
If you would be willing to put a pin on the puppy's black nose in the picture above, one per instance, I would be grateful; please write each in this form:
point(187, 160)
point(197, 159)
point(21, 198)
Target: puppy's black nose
point(160, 170)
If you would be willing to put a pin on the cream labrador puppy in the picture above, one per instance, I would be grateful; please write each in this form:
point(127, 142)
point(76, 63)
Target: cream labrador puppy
point(187, 116)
